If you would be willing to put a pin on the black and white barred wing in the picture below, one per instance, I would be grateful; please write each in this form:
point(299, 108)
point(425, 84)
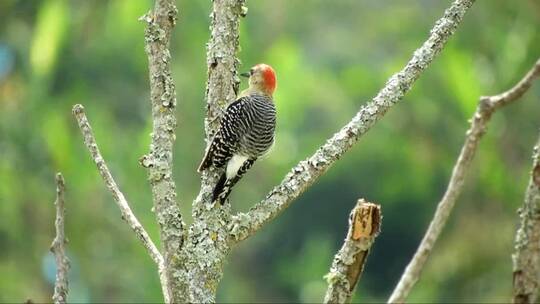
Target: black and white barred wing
point(225, 143)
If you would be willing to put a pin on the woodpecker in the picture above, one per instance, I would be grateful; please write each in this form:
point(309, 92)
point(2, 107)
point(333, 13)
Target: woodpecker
point(246, 131)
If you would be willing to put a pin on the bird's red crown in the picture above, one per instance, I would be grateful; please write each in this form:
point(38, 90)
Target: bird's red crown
point(269, 76)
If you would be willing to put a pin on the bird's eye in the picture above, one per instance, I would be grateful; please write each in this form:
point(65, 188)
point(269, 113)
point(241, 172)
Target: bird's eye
point(251, 72)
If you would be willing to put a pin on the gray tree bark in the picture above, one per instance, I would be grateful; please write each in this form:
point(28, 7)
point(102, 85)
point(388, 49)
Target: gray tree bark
point(61, 286)
point(486, 107)
point(127, 215)
point(192, 263)
point(159, 161)
point(208, 241)
point(348, 265)
point(526, 259)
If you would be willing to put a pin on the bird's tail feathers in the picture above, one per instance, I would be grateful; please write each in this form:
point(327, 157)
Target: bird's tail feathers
point(224, 185)
point(222, 189)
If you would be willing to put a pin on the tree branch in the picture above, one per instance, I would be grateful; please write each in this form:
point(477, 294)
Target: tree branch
point(57, 247)
point(207, 245)
point(223, 81)
point(121, 202)
point(486, 107)
point(526, 258)
point(306, 172)
point(348, 264)
point(159, 162)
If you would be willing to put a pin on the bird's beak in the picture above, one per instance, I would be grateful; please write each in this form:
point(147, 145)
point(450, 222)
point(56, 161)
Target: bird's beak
point(246, 74)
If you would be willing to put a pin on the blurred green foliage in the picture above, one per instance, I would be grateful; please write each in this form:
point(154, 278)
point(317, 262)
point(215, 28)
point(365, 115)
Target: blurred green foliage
point(331, 57)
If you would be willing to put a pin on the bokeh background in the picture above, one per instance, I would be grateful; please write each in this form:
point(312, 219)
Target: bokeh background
point(331, 57)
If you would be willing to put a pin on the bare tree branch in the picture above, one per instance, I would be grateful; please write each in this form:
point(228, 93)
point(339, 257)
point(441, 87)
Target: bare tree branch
point(306, 172)
point(121, 202)
point(57, 247)
point(160, 24)
point(348, 264)
point(486, 107)
point(526, 258)
point(207, 245)
point(223, 82)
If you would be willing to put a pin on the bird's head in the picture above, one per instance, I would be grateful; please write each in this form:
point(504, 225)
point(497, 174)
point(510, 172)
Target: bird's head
point(262, 78)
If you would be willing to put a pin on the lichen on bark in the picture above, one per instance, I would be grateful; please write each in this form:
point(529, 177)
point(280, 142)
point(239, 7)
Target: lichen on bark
point(526, 258)
point(208, 241)
point(348, 263)
point(159, 162)
point(61, 284)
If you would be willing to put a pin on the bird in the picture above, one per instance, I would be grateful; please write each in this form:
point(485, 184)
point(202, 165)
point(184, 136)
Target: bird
point(246, 131)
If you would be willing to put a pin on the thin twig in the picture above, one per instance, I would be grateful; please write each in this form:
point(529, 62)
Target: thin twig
point(486, 107)
point(57, 247)
point(121, 202)
point(526, 258)
point(306, 172)
point(348, 264)
point(159, 161)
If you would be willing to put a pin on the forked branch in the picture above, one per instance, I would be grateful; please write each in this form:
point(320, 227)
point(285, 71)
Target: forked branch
point(486, 107)
point(118, 196)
